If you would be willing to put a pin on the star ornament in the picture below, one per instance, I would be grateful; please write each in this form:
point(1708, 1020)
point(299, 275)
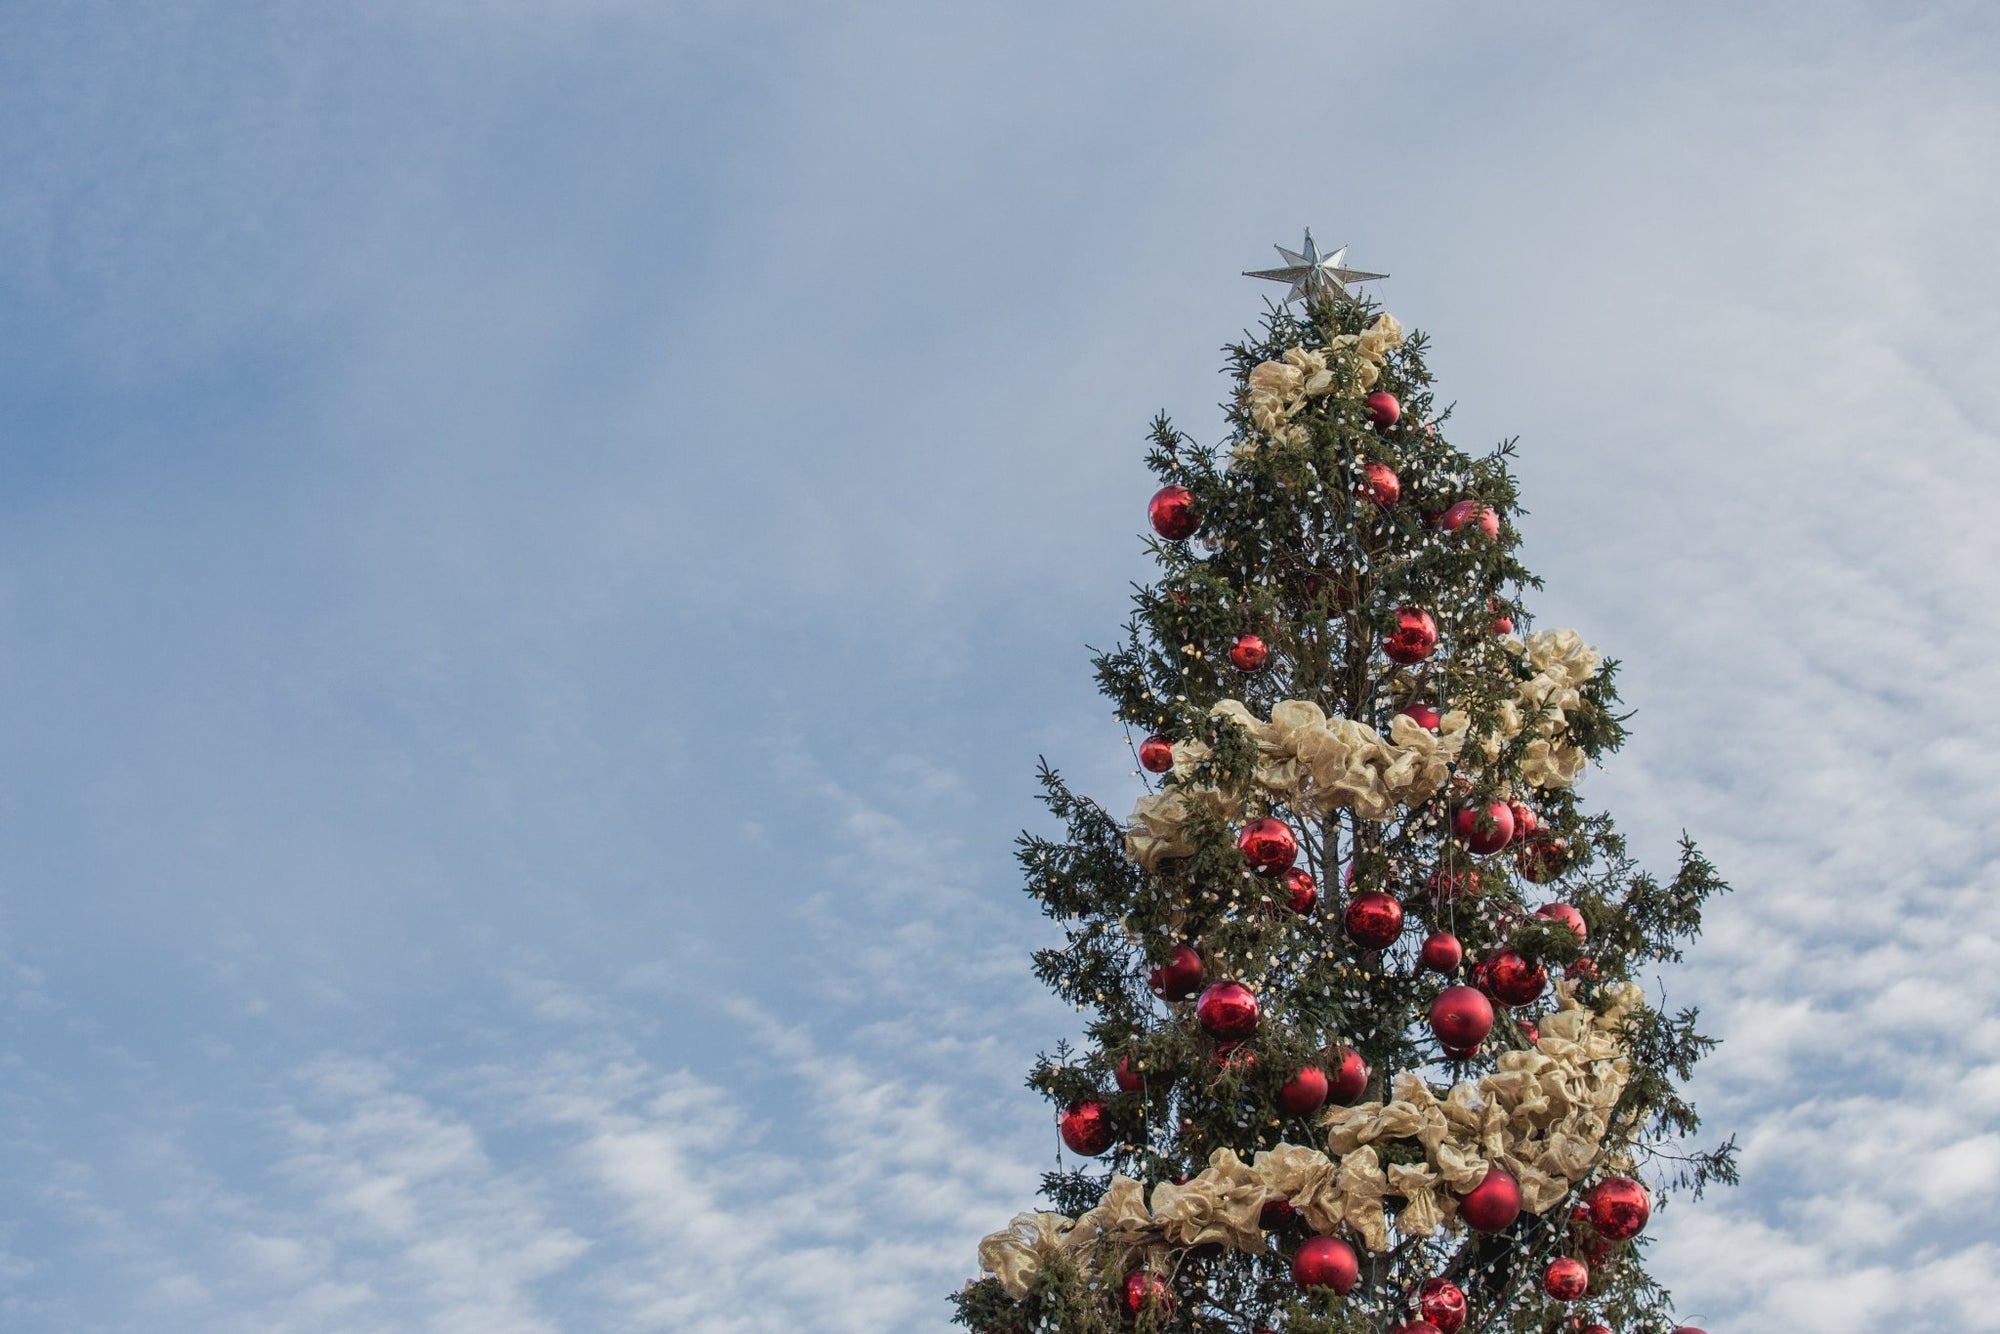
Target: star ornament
point(1312, 274)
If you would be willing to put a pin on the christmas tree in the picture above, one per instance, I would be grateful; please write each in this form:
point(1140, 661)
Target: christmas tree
point(1371, 1039)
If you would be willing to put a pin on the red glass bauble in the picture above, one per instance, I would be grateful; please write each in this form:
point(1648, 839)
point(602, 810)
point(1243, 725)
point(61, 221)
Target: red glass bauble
point(1688, 1329)
point(1583, 970)
point(1568, 916)
point(1173, 514)
point(1542, 858)
point(1566, 1279)
point(1492, 1204)
point(1143, 1289)
point(1179, 977)
point(1514, 979)
point(1484, 829)
point(1227, 1010)
point(1424, 716)
point(1326, 1262)
point(1531, 1033)
point(1350, 1078)
point(1129, 1076)
point(1619, 1207)
point(1441, 1303)
point(1156, 754)
point(1380, 484)
point(1414, 637)
point(1595, 1329)
point(1304, 1092)
point(1441, 952)
point(1484, 517)
point(1086, 1128)
point(1300, 891)
point(1461, 1017)
point(1526, 822)
point(1268, 845)
point(1239, 1058)
point(1383, 408)
point(1502, 625)
point(1374, 919)
point(1249, 653)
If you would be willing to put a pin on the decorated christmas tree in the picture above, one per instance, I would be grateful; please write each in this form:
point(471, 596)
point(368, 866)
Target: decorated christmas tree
point(1375, 1039)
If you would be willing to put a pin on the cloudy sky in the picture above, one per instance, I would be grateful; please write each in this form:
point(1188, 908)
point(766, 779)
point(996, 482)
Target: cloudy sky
point(540, 541)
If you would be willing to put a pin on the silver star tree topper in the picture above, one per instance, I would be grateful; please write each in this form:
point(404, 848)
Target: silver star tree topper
point(1312, 273)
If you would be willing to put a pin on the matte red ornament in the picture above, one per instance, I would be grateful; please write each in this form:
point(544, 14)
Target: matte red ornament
point(1542, 858)
point(1441, 952)
point(1413, 639)
point(1485, 517)
point(1493, 1204)
point(1300, 890)
point(1173, 513)
point(1566, 1278)
point(1227, 1010)
point(1484, 829)
point(1179, 977)
point(1143, 1289)
point(1501, 625)
point(1249, 653)
point(1326, 1262)
point(1526, 822)
point(1619, 1207)
point(1380, 484)
point(1515, 979)
point(1374, 919)
point(1086, 1128)
point(1156, 754)
point(1304, 1092)
point(1350, 1078)
point(1383, 408)
point(1461, 1017)
point(1424, 716)
point(1442, 1303)
point(1568, 916)
point(1268, 845)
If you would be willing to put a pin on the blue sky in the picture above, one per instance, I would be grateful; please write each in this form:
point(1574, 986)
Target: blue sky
point(541, 542)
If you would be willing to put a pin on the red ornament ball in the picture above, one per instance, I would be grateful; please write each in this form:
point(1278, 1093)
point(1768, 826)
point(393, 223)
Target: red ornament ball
point(1304, 1092)
point(1300, 891)
point(1350, 1078)
point(1179, 977)
point(1424, 716)
point(1583, 970)
point(1502, 625)
point(1413, 639)
point(1542, 858)
point(1130, 1077)
point(1275, 1214)
point(1531, 1032)
point(1566, 1279)
point(1448, 883)
point(1484, 829)
point(1568, 916)
point(1383, 408)
point(1493, 1204)
point(1268, 845)
point(1156, 754)
point(1688, 1329)
point(1442, 1303)
point(1526, 822)
point(1374, 919)
point(1086, 1128)
point(1595, 1329)
point(1238, 1057)
point(1173, 513)
point(1143, 1289)
point(1326, 1262)
point(1416, 1327)
point(1619, 1207)
point(1515, 979)
point(1441, 952)
point(1249, 653)
point(1380, 484)
point(1485, 517)
point(1227, 1010)
point(1461, 1017)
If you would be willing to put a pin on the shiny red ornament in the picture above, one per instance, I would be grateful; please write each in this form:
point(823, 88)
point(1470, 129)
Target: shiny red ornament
point(1424, 716)
point(1304, 1092)
point(1383, 408)
point(1531, 1033)
point(1568, 916)
point(1086, 1128)
point(1237, 1057)
point(1415, 1327)
point(1374, 919)
point(1514, 979)
point(1542, 858)
point(1300, 891)
point(1493, 1204)
point(1461, 1017)
point(1173, 513)
point(1275, 1214)
point(1619, 1207)
point(1688, 1329)
point(1471, 511)
point(1526, 822)
point(1156, 754)
point(1443, 1304)
point(1413, 639)
point(1566, 1278)
point(1131, 1078)
point(1249, 653)
point(1179, 977)
point(1441, 952)
point(1583, 970)
point(1326, 1262)
point(1501, 625)
point(1227, 1010)
point(1484, 829)
point(1350, 1078)
point(1380, 484)
point(1268, 845)
point(1143, 1289)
